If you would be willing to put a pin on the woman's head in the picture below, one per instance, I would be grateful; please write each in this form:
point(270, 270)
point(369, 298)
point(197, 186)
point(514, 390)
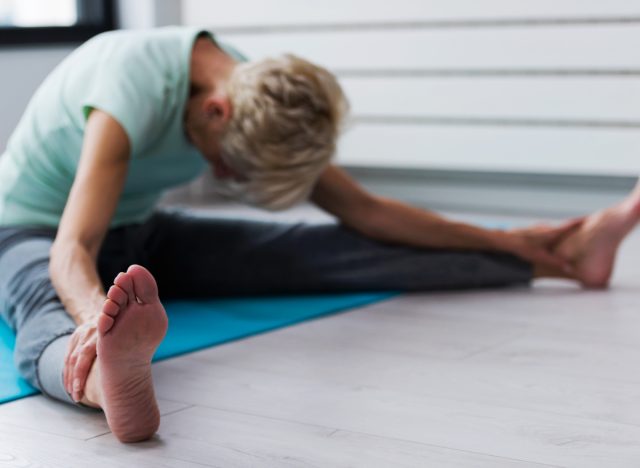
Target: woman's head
point(286, 116)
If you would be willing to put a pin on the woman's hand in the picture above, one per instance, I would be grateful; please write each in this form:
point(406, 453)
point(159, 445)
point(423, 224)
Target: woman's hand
point(81, 354)
point(537, 243)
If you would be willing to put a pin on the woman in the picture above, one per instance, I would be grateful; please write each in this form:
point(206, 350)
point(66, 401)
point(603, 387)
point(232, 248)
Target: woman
point(130, 114)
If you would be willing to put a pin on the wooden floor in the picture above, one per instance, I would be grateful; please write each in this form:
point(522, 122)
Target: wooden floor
point(546, 376)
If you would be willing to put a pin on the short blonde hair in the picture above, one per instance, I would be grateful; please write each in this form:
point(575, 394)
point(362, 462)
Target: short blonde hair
point(287, 114)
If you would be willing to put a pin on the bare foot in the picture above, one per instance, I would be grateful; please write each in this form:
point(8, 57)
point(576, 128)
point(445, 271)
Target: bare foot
point(130, 328)
point(592, 249)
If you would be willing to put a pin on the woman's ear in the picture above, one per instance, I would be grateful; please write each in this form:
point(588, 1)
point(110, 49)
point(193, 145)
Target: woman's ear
point(217, 109)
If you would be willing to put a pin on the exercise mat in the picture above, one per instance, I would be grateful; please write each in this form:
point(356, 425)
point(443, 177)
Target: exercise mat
point(195, 325)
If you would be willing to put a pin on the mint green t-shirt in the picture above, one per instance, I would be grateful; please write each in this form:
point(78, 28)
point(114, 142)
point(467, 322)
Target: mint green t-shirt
point(140, 78)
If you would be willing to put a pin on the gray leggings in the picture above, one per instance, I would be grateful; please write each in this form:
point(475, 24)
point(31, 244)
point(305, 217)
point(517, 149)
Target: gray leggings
point(196, 257)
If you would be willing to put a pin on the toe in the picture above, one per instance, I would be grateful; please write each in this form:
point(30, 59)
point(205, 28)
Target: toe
point(118, 295)
point(105, 323)
point(110, 308)
point(144, 284)
point(125, 282)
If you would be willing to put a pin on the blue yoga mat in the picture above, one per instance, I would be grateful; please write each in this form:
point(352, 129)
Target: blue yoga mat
point(195, 325)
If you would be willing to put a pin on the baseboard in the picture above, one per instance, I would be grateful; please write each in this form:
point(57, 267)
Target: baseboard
point(547, 195)
point(554, 195)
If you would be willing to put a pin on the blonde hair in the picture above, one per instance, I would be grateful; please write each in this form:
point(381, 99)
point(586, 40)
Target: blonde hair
point(287, 114)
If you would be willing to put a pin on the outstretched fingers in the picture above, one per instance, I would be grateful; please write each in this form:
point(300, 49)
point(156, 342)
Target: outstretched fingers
point(69, 362)
point(565, 230)
point(81, 370)
point(543, 257)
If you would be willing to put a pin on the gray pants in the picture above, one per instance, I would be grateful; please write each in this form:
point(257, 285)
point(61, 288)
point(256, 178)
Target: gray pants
point(195, 257)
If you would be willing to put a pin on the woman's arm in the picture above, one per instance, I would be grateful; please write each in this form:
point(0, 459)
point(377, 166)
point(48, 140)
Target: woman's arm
point(391, 221)
point(91, 204)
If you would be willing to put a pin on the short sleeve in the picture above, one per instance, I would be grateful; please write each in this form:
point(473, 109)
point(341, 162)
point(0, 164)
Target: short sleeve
point(131, 89)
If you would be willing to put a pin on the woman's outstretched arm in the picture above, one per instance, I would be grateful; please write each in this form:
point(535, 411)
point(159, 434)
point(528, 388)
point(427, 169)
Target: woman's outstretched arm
point(91, 204)
point(389, 220)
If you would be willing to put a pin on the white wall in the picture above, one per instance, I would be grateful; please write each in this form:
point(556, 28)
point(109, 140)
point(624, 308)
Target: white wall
point(545, 86)
point(498, 85)
point(22, 69)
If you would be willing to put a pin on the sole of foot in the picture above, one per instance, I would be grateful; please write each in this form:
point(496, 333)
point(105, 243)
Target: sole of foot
point(131, 325)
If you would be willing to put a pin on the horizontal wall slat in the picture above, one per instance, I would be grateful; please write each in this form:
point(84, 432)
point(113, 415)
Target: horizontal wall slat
point(252, 12)
point(496, 192)
point(486, 121)
point(539, 150)
point(553, 47)
point(550, 86)
point(512, 73)
point(572, 99)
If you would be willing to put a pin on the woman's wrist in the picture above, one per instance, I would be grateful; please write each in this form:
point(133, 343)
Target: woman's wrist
point(89, 311)
point(86, 318)
point(499, 240)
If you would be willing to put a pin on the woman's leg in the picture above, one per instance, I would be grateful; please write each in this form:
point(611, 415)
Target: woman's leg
point(30, 305)
point(193, 256)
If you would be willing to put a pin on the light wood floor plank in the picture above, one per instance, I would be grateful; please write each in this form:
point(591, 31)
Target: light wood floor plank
point(494, 383)
point(43, 414)
point(231, 439)
point(21, 448)
point(463, 425)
